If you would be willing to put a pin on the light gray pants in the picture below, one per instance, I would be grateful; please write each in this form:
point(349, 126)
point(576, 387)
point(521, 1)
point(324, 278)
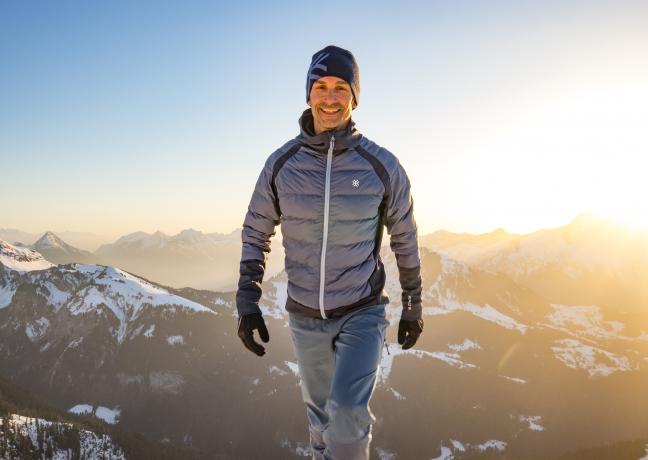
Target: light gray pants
point(338, 363)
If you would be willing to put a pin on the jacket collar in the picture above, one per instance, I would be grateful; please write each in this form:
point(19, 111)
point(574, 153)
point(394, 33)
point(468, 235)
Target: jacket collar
point(344, 138)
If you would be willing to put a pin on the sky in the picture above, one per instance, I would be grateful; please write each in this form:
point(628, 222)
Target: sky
point(118, 117)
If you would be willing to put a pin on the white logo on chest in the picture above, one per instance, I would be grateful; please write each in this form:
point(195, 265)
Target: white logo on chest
point(355, 183)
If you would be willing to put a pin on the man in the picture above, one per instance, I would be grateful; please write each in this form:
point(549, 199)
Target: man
point(332, 190)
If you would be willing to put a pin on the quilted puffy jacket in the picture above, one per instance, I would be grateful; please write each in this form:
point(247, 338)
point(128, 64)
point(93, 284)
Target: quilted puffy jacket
point(332, 193)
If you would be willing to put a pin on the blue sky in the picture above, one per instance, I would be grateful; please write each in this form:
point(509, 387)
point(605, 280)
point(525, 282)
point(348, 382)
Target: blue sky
point(125, 116)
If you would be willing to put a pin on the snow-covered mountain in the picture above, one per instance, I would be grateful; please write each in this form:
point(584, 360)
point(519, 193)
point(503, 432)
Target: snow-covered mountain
point(84, 240)
point(33, 437)
point(589, 261)
point(189, 258)
point(467, 247)
point(58, 251)
point(21, 259)
point(499, 371)
point(136, 352)
point(33, 429)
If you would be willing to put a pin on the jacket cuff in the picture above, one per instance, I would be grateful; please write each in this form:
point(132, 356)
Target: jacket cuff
point(413, 312)
point(249, 287)
point(245, 307)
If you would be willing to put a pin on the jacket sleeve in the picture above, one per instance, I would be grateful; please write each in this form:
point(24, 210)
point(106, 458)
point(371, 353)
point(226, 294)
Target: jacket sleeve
point(258, 227)
point(401, 226)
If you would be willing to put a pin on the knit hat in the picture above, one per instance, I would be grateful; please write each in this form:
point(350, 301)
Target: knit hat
point(336, 62)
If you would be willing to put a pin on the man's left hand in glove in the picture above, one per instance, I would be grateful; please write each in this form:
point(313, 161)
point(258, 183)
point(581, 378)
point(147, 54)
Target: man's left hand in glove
point(409, 332)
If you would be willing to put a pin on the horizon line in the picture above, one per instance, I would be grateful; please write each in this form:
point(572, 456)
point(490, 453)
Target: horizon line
point(579, 216)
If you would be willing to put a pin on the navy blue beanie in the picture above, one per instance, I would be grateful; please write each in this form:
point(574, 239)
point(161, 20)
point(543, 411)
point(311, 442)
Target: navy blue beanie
point(337, 62)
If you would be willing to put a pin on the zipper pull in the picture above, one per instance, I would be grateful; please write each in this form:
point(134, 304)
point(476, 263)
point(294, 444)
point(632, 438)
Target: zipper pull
point(409, 302)
point(387, 347)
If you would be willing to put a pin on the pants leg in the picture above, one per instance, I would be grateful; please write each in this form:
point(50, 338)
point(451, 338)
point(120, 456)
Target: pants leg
point(313, 344)
point(358, 351)
point(338, 363)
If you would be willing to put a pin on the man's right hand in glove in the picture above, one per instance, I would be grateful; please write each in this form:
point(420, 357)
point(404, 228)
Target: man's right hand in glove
point(246, 326)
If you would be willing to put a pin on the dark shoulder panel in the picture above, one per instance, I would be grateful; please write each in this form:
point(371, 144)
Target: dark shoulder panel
point(377, 166)
point(282, 160)
point(278, 164)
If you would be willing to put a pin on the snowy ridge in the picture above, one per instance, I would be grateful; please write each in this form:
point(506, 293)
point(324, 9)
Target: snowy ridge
point(514, 379)
point(22, 259)
point(450, 269)
point(585, 245)
point(486, 312)
point(452, 359)
point(6, 293)
point(467, 344)
point(143, 239)
point(447, 301)
point(445, 297)
point(587, 321)
point(92, 445)
point(55, 297)
point(110, 416)
point(596, 361)
point(124, 295)
point(99, 288)
point(273, 301)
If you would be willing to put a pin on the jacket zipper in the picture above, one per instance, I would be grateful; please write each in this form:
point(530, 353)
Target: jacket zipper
point(327, 192)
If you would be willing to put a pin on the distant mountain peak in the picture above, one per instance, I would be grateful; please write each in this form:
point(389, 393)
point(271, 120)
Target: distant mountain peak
point(143, 238)
point(57, 251)
point(190, 231)
point(49, 240)
point(589, 221)
point(190, 235)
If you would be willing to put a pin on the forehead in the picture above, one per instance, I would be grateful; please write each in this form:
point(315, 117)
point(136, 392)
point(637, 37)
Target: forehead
point(330, 80)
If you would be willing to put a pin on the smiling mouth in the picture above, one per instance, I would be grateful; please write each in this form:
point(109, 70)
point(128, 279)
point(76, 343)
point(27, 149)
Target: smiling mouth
point(325, 111)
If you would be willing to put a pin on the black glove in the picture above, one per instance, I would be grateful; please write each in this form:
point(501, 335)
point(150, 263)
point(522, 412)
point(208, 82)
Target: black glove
point(409, 332)
point(247, 324)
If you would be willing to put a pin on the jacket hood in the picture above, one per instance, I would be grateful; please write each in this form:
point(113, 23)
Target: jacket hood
point(345, 138)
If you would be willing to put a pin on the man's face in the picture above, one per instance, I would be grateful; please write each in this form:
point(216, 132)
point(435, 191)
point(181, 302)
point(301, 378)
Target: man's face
point(331, 101)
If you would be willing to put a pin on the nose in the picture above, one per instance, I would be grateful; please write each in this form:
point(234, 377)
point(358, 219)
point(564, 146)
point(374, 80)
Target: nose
point(330, 96)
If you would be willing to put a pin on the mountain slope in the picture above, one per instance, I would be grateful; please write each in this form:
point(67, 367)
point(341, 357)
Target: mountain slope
point(189, 258)
point(96, 336)
point(21, 259)
point(58, 251)
point(33, 428)
point(589, 261)
point(499, 370)
point(85, 240)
